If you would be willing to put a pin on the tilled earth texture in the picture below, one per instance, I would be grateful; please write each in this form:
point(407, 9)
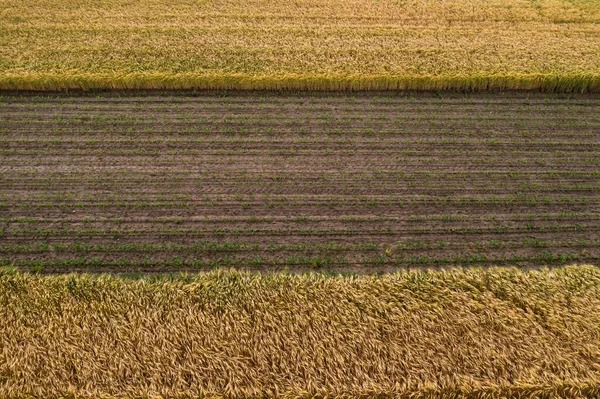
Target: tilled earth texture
point(155, 182)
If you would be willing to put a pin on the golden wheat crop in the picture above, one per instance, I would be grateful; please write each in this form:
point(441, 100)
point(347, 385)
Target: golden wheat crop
point(492, 333)
point(304, 44)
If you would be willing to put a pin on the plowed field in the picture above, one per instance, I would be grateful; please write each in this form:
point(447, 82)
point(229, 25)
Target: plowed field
point(370, 182)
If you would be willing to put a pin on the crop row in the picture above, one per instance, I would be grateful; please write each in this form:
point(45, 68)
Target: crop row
point(458, 201)
point(357, 160)
point(128, 265)
point(446, 218)
point(500, 229)
point(226, 246)
point(250, 134)
point(124, 176)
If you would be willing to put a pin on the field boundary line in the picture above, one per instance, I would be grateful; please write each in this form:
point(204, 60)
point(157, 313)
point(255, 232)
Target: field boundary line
point(583, 83)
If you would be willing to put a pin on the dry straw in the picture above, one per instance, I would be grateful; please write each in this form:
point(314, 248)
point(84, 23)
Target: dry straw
point(551, 45)
point(492, 333)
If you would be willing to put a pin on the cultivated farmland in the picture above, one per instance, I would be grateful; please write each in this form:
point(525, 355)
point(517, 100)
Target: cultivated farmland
point(304, 44)
point(228, 199)
point(473, 334)
point(370, 182)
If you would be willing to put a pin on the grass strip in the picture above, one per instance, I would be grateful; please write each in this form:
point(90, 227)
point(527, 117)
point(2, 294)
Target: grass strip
point(473, 333)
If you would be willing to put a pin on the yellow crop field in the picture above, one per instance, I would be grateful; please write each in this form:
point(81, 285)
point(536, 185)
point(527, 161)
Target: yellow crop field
point(552, 45)
point(472, 333)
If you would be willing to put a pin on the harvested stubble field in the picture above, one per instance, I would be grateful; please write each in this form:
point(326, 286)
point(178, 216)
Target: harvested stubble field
point(304, 44)
point(498, 333)
point(372, 182)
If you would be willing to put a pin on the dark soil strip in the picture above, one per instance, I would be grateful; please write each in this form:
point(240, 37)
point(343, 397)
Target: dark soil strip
point(153, 182)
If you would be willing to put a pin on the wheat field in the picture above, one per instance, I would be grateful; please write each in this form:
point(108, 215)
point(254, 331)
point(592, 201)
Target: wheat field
point(552, 45)
point(469, 333)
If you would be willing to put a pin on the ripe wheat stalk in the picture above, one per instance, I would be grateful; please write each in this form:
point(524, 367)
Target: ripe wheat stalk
point(452, 334)
point(306, 45)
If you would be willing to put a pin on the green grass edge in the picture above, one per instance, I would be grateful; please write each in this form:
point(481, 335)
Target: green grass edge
point(582, 83)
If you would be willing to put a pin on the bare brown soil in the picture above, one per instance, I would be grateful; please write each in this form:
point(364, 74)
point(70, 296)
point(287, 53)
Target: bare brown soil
point(369, 182)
